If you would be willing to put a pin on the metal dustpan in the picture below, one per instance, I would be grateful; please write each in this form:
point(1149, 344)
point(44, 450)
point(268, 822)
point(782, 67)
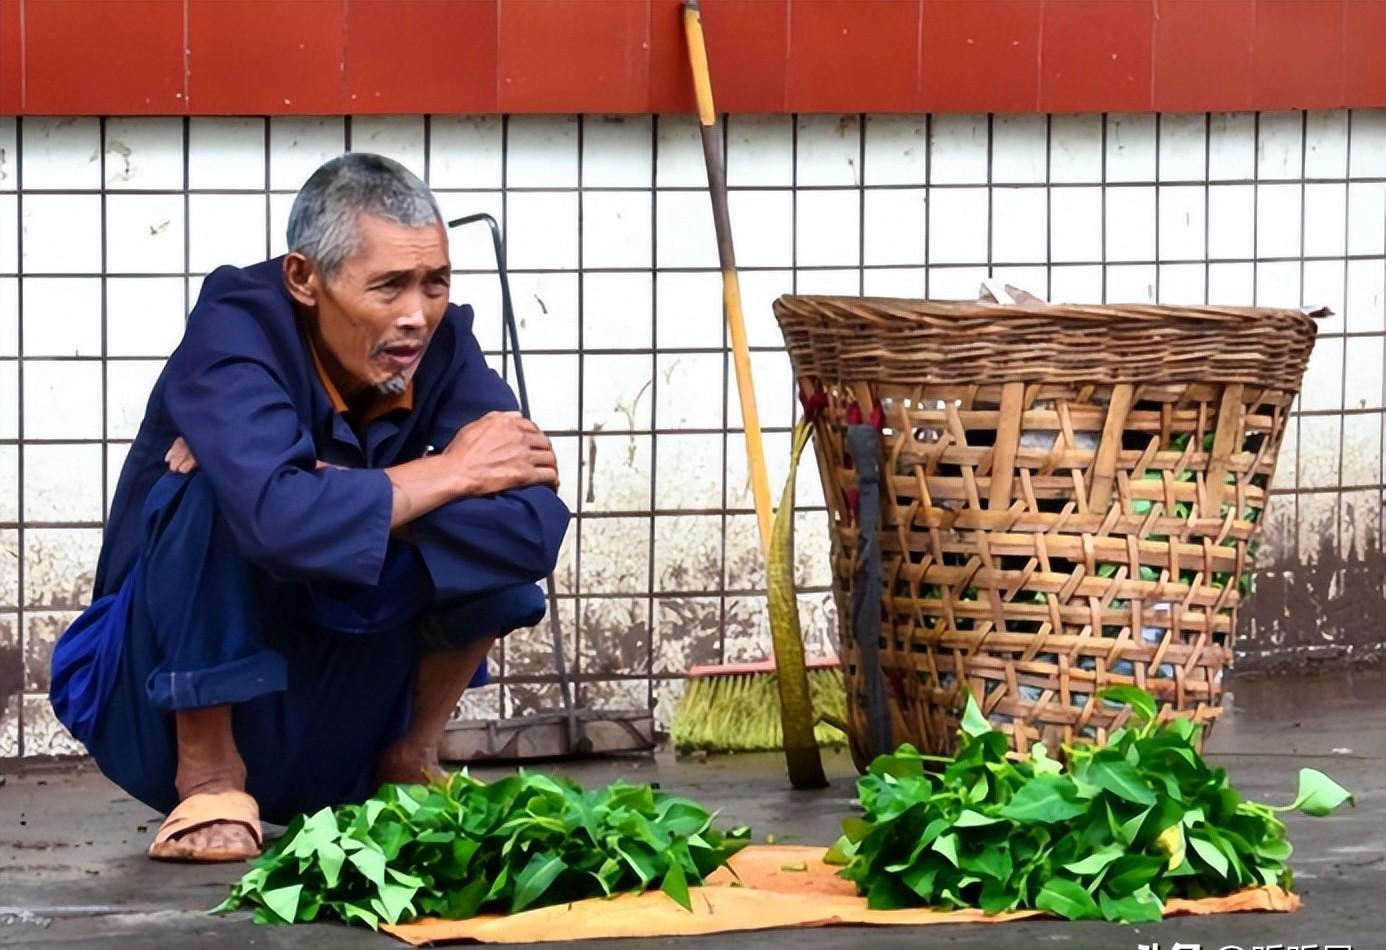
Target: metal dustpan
point(571, 731)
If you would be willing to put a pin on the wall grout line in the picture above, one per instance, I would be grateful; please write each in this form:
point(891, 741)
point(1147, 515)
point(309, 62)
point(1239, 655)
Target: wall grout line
point(785, 267)
point(105, 345)
point(1343, 548)
point(1103, 205)
point(1159, 266)
point(653, 634)
point(1131, 185)
point(21, 580)
point(576, 665)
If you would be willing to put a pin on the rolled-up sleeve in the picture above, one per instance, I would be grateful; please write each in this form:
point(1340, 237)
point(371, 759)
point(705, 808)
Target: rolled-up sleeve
point(227, 400)
point(476, 545)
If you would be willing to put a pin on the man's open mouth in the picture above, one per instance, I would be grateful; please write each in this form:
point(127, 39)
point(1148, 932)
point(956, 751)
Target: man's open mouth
point(402, 355)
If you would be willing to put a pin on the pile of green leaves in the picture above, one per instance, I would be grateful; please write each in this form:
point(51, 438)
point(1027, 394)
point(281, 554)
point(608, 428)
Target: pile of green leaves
point(463, 847)
point(1112, 833)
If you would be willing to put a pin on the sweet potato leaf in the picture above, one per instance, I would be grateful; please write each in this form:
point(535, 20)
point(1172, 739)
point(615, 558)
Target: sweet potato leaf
point(463, 847)
point(1108, 832)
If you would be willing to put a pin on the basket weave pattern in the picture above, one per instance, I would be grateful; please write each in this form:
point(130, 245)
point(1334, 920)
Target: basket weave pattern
point(1071, 500)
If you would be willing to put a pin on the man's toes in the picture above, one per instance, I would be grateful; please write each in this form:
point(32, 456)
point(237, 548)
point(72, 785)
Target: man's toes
point(222, 836)
point(230, 836)
point(239, 837)
point(198, 839)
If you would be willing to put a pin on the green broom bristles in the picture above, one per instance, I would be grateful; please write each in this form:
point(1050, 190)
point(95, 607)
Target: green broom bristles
point(741, 712)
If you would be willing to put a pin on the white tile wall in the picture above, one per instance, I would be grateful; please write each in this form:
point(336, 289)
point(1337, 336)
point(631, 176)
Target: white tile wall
point(760, 151)
point(543, 152)
point(225, 229)
point(1182, 222)
point(542, 230)
point(616, 311)
point(1232, 146)
point(958, 228)
point(1019, 153)
point(616, 228)
point(684, 233)
point(829, 151)
point(1019, 224)
point(958, 146)
point(298, 145)
point(828, 228)
point(762, 222)
point(227, 153)
point(1075, 148)
point(9, 316)
point(617, 152)
point(9, 155)
point(61, 234)
point(144, 315)
point(1183, 147)
point(1130, 223)
point(616, 288)
point(1077, 219)
point(679, 158)
point(144, 153)
point(1131, 148)
point(9, 406)
point(894, 224)
point(65, 316)
point(62, 154)
point(145, 234)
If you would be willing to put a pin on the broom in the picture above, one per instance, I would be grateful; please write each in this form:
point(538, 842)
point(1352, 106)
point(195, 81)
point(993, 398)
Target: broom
point(734, 708)
point(722, 706)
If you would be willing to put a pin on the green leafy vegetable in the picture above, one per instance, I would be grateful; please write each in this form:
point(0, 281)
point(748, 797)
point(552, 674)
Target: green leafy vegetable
point(1142, 703)
point(1107, 833)
point(462, 847)
point(1067, 899)
point(1318, 794)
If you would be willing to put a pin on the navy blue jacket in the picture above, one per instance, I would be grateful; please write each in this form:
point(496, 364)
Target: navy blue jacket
point(242, 390)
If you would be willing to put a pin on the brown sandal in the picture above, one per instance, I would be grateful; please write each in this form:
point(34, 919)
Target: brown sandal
point(200, 811)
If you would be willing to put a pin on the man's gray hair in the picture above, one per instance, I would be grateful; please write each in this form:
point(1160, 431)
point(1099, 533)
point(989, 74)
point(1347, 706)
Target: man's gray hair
point(323, 223)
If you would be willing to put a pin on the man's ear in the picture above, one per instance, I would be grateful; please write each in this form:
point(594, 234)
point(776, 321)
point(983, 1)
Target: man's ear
point(302, 279)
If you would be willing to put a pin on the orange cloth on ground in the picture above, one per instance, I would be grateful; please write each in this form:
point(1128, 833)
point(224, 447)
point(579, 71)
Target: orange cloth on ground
point(770, 896)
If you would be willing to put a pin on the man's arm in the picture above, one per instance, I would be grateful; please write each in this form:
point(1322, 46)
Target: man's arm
point(225, 395)
point(496, 453)
point(287, 515)
point(418, 487)
point(301, 520)
point(497, 535)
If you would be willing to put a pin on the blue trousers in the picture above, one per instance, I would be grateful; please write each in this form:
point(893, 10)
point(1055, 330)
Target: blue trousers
point(319, 677)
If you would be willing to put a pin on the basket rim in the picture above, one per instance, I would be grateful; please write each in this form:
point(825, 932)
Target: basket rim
point(1096, 313)
point(919, 341)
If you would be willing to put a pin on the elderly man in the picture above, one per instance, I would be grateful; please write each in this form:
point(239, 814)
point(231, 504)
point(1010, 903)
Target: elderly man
point(331, 512)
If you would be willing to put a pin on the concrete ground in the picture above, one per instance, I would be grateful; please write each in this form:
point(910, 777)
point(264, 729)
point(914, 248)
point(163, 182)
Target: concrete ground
point(72, 871)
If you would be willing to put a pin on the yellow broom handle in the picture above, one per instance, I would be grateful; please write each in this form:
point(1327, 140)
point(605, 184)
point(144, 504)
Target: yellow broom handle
point(731, 286)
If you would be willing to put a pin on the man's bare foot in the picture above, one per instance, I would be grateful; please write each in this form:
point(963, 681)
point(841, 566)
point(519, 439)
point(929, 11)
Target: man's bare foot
point(228, 837)
point(407, 763)
point(442, 676)
point(209, 764)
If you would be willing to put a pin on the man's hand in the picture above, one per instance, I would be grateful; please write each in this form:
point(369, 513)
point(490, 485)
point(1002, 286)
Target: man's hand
point(501, 451)
point(180, 458)
point(498, 452)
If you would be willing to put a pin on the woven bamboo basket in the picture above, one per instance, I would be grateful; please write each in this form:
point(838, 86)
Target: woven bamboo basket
point(1070, 497)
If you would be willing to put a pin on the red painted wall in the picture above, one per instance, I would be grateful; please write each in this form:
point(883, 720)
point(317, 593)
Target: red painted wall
point(476, 56)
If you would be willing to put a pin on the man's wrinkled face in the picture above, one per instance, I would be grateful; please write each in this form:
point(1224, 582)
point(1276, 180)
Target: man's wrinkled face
point(376, 315)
